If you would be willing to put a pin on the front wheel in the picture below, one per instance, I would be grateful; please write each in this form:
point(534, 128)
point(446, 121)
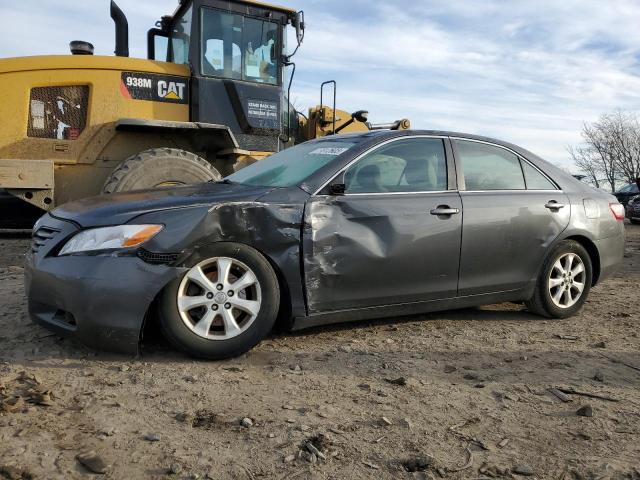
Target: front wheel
point(564, 282)
point(160, 167)
point(224, 305)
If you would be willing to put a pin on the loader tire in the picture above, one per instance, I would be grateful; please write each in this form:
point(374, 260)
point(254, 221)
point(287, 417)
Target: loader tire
point(161, 167)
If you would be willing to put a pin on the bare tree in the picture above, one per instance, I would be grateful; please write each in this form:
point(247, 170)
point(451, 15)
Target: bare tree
point(587, 163)
point(623, 131)
point(611, 149)
point(598, 141)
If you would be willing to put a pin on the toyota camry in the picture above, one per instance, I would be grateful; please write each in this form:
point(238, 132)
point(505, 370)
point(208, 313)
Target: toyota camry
point(340, 229)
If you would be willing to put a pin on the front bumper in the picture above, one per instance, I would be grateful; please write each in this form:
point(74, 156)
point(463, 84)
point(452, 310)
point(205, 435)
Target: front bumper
point(100, 300)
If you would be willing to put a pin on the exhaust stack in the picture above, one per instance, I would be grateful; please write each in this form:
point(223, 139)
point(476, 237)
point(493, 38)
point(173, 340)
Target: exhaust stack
point(122, 30)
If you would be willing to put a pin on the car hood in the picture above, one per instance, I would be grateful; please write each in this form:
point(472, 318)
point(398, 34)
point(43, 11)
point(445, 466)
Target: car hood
point(123, 207)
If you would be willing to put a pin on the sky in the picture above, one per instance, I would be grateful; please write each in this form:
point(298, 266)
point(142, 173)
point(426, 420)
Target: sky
point(529, 72)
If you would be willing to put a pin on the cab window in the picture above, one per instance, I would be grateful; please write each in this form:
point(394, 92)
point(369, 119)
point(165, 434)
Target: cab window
point(403, 166)
point(180, 39)
point(238, 47)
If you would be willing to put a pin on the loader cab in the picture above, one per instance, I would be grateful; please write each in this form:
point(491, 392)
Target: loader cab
point(236, 51)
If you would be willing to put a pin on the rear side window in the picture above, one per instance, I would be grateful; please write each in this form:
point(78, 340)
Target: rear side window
point(486, 167)
point(535, 179)
point(403, 166)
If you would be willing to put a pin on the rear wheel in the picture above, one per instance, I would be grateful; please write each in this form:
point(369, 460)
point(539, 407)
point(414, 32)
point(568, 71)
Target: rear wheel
point(224, 305)
point(564, 283)
point(162, 167)
point(635, 222)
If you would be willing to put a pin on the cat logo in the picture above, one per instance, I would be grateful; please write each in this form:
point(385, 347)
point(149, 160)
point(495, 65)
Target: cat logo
point(154, 88)
point(171, 90)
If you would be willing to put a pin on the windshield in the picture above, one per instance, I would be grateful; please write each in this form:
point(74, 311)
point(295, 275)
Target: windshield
point(631, 188)
point(293, 166)
point(238, 47)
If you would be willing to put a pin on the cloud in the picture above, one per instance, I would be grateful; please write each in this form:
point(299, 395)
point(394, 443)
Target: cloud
point(527, 72)
point(531, 72)
point(39, 27)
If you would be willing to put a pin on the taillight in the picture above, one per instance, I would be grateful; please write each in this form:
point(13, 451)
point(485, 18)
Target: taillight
point(618, 210)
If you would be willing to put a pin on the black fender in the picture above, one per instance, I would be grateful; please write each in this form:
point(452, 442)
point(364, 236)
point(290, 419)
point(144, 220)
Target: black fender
point(206, 137)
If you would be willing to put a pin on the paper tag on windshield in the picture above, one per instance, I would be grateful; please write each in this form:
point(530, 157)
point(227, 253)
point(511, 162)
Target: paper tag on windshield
point(335, 151)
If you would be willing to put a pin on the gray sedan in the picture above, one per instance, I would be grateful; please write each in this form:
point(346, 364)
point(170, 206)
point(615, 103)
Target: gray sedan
point(341, 229)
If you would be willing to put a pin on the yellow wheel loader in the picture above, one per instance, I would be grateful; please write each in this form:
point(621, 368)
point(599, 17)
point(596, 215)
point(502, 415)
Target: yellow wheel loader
point(211, 97)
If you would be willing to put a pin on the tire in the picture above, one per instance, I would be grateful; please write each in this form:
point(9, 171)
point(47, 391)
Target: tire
point(543, 302)
point(634, 221)
point(160, 167)
point(190, 330)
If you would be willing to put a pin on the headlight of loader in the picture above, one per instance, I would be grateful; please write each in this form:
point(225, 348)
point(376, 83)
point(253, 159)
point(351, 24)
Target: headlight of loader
point(110, 238)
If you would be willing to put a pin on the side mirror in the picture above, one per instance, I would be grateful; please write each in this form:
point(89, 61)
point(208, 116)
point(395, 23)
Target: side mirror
point(337, 189)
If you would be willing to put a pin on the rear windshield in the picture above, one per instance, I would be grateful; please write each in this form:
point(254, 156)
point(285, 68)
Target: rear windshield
point(293, 166)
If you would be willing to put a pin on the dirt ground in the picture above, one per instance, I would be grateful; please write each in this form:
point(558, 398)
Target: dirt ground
point(455, 395)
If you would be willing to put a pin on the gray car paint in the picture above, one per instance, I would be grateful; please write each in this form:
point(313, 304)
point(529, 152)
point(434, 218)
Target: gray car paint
point(364, 250)
point(505, 237)
point(289, 226)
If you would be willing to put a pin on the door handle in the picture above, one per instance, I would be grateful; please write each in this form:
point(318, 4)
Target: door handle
point(553, 205)
point(445, 211)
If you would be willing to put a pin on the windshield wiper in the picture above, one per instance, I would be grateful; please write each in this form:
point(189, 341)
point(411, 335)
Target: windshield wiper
point(225, 181)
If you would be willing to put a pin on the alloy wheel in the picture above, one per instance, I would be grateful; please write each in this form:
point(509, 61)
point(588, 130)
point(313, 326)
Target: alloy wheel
point(567, 280)
point(219, 298)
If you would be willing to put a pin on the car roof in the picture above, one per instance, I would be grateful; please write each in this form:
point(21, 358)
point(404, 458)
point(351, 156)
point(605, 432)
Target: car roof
point(389, 134)
point(437, 133)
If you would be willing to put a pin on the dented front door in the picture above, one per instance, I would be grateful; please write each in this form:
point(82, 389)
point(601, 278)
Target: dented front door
point(371, 250)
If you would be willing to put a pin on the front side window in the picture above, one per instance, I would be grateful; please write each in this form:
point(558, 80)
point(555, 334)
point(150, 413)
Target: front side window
point(410, 165)
point(180, 40)
point(239, 47)
point(487, 167)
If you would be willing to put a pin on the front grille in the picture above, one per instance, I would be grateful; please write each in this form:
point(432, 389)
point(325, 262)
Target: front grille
point(58, 112)
point(157, 258)
point(42, 236)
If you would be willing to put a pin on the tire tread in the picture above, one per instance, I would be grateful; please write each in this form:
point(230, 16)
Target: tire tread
point(117, 177)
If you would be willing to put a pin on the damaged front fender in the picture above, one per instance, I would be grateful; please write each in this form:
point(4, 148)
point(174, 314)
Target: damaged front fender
point(271, 225)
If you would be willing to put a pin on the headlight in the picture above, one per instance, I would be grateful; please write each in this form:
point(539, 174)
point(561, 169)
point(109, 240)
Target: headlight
point(110, 238)
point(635, 199)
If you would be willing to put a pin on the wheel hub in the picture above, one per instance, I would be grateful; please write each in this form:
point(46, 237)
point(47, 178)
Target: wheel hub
point(219, 298)
point(567, 280)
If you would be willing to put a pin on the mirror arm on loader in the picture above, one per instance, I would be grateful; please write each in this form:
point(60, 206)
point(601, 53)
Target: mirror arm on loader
point(335, 92)
point(298, 23)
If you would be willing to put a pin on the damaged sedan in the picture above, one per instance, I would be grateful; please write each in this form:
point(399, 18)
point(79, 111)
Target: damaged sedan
point(340, 229)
